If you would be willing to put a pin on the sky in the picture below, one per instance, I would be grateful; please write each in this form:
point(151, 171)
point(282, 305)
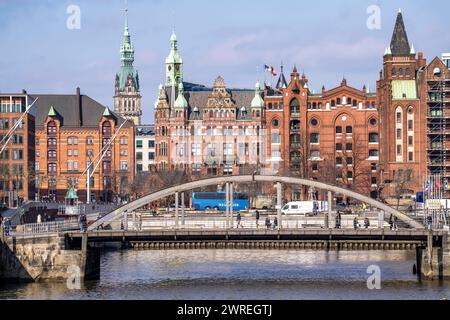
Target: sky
point(234, 38)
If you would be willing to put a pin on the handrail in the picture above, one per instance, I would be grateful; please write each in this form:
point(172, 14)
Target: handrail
point(47, 227)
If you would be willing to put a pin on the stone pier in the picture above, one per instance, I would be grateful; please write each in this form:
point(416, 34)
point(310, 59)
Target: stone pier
point(433, 261)
point(46, 258)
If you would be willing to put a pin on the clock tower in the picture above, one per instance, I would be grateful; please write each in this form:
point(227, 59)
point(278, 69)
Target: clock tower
point(174, 64)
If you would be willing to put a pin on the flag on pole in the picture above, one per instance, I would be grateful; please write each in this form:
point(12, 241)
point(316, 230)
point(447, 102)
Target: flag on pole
point(271, 70)
point(427, 187)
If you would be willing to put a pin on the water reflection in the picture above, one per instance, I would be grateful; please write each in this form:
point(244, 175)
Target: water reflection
point(243, 274)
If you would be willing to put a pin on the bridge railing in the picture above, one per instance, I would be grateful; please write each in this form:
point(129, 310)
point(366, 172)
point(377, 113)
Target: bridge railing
point(46, 227)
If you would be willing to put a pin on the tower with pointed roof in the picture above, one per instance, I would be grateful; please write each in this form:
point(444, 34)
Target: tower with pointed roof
point(127, 98)
point(400, 110)
point(174, 64)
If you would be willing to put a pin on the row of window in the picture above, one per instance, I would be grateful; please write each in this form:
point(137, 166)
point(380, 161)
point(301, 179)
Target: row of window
point(399, 72)
point(5, 122)
point(140, 144)
point(151, 156)
point(72, 166)
point(12, 108)
point(17, 154)
point(210, 131)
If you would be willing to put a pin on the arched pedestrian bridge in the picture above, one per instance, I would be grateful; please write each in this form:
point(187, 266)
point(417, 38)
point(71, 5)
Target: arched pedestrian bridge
point(130, 207)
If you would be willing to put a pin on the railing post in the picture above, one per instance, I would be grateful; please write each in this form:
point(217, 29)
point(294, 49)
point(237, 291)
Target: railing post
point(231, 203)
point(227, 204)
point(279, 203)
point(182, 209)
point(176, 209)
point(328, 215)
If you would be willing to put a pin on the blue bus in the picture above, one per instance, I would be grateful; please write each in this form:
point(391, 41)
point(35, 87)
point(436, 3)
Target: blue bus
point(202, 201)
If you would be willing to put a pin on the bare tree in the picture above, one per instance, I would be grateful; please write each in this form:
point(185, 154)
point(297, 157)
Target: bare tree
point(401, 183)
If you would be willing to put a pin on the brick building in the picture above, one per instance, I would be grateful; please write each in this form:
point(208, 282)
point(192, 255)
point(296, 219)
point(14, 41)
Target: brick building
point(18, 156)
point(366, 141)
point(71, 132)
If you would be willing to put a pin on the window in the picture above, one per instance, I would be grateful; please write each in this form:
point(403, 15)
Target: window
point(410, 156)
point(408, 72)
point(338, 146)
point(373, 167)
point(349, 147)
point(163, 149)
point(399, 134)
point(139, 167)
point(276, 138)
point(243, 149)
point(373, 137)
point(138, 156)
point(90, 141)
point(196, 149)
point(373, 122)
point(315, 138)
point(399, 150)
point(339, 130)
point(275, 123)
point(51, 154)
point(17, 154)
point(75, 140)
point(399, 117)
point(374, 181)
point(349, 130)
point(211, 149)
point(349, 161)
point(227, 131)
point(410, 140)
point(75, 166)
point(339, 161)
point(124, 153)
point(51, 168)
point(123, 165)
point(228, 149)
point(315, 167)
point(151, 144)
point(69, 152)
point(314, 122)
point(227, 169)
point(338, 101)
point(151, 156)
point(349, 174)
point(123, 141)
point(315, 154)
point(51, 127)
point(410, 125)
point(69, 166)
point(338, 175)
point(196, 169)
point(139, 144)
point(106, 130)
point(36, 166)
point(374, 153)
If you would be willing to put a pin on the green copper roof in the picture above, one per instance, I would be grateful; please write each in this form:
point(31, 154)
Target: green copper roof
point(174, 55)
point(107, 113)
point(181, 101)
point(51, 112)
point(257, 101)
point(404, 90)
point(71, 194)
point(127, 59)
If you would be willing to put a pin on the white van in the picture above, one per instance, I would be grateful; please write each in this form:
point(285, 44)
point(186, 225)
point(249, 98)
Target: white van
point(304, 207)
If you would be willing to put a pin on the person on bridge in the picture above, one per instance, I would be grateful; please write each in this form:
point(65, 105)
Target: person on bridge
point(391, 222)
point(338, 220)
point(395, 225)
point(257, 219)
point(430, 222)
point(268, 222)
point(366, 223)
point(355, 223)
point(39, 219)
point(275, 223)
point(238, 219)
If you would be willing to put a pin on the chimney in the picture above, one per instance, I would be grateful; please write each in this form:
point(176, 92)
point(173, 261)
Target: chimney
point(80, 107)
point(24, 91)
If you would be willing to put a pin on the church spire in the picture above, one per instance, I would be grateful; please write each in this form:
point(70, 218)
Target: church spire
point(399, 43)
point(282, 83)
point(174, 63)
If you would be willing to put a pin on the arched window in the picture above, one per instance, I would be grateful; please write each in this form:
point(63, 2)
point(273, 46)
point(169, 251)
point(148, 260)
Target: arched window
point(400, 71)
point(52, 168)
point(349, 130)
point(106, 129)
point(295, 107)
point(338, 101)
point(52, 154)
point(394, 71)
point(408, 72)
point(211, 114)
point(333, 103)
point(51, 127)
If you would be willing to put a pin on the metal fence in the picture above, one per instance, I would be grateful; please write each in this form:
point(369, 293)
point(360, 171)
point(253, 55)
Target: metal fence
point(47, 227)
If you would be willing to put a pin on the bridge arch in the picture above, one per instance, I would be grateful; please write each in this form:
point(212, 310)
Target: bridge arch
point(129, 207)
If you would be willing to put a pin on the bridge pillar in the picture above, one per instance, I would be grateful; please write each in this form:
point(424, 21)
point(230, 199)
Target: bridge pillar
point(435, 261)
point(176, 210)
point(182, 209)
point(328, 215)
point(279, 204)
point(227, 204)
point(231, 202)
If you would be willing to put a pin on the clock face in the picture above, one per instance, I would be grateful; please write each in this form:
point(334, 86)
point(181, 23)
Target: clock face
point(169, 68)
point(177, 68)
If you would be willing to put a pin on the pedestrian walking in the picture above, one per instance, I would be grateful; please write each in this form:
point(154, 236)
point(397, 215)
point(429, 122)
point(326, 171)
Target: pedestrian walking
point(338, 220)
point(366, 223)
point(238, 219)
point(430, 222)
point(395, 223)
point(391, 222)
point(355, 223)
point(39, 219)
point(275, 223)
point(140, 222)
point(268, 222)
point(7, 226)
point(257, 219)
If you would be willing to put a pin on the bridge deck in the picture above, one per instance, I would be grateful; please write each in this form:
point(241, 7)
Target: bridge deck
point(256, 235)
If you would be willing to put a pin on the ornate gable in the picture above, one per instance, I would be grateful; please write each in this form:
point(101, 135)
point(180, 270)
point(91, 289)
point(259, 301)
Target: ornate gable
point(220, 97)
